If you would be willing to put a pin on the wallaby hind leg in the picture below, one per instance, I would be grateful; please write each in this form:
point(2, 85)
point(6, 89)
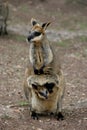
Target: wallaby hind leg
point(26, 92)
point(59, 110)
point(34, 115)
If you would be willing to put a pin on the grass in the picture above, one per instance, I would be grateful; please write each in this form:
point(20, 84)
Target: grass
point(24, 8)
point(82, 25)
point(17, 37)
point(62, 44)
point(23, 103)
point(65, 43)
point(20, 38)
point(83, 38)
point(68, 42)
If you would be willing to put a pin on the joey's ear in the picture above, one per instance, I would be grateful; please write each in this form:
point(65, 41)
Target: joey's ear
point(33, 21)
point(34, 86)
point(45, 25)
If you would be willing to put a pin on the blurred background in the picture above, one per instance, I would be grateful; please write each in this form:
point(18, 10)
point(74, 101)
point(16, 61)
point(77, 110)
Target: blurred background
point(64, 14)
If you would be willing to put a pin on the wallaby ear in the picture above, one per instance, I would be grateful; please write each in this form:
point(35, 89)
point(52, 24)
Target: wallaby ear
point(33, 21)
point(45, 25)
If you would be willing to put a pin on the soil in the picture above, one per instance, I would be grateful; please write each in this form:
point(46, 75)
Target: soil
point(14, 113)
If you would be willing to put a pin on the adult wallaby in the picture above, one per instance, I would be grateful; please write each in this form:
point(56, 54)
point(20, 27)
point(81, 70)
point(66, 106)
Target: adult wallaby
point(40, 52)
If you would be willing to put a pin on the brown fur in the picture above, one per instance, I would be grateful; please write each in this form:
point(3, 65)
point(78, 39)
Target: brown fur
point(52, 73)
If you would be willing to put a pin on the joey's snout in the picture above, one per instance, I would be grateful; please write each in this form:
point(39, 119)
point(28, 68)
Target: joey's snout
point(44, 94)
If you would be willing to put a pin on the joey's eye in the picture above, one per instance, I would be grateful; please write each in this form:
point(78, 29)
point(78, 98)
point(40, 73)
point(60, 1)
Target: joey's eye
point(50, 90)
point(37, 33)
point(49, 85)
point(34, 86)
point(41, 93)
point(52, 85)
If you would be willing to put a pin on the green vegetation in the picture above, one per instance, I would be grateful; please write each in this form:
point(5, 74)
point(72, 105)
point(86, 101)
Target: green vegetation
point(62, 43)
point(17, 37)
point(24, 8)
point(83, 38)
point(23, 103)
point(65, 43)
point(69, 42)
point(82, 25)
point(82, 2)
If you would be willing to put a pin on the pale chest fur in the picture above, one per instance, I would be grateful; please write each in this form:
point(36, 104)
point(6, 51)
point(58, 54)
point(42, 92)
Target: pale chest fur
point(40, 55)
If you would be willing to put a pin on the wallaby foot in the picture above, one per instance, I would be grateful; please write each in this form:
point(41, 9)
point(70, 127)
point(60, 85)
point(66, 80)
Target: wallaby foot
point(60, 116)
point(34, 115)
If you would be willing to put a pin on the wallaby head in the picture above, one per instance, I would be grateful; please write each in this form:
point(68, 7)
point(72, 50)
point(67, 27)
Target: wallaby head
point(37, 32)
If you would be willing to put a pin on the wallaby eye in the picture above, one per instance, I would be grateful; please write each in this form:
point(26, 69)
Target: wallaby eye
point(34, 86)
point(37, 33)
point(41, 93)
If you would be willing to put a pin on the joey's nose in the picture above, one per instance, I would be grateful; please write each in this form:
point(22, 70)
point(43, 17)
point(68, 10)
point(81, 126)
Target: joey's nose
point(45, 94)
point(46, 97)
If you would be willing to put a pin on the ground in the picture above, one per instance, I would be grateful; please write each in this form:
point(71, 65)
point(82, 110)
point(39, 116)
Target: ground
point(68, 33)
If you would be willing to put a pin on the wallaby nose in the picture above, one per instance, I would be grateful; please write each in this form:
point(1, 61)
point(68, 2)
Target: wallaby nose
point(29, 38)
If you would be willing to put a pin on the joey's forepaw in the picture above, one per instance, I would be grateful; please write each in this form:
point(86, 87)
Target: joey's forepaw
point(60, 116)
point(34, 116)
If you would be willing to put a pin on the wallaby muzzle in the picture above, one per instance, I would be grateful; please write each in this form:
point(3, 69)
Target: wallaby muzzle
point(30, 37)
point(44, 94)
point(33, 35)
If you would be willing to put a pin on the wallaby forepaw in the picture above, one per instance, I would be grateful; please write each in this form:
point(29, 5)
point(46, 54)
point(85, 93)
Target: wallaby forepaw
point(35, 71)
point(38, 72)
